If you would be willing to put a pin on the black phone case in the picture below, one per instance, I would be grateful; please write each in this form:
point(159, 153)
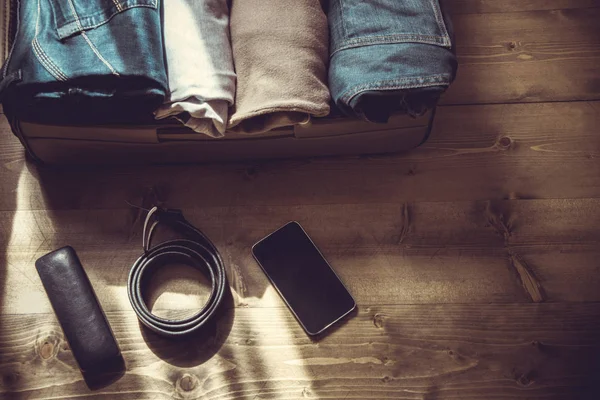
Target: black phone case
point(75, 304)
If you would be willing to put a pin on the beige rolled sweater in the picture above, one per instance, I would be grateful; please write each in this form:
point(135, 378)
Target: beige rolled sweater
point(280, 53)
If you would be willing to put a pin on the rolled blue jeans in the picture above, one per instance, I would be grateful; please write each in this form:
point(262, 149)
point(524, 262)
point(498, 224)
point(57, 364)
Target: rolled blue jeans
point(389, 56)
point(85, 61)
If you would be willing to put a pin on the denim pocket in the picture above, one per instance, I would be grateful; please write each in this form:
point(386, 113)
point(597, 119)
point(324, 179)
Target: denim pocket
point(388, 21)
point(74, 16)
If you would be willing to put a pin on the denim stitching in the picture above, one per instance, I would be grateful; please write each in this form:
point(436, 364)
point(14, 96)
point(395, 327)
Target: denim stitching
point(438, 78)
point(404, 83)
point(118, 5)
point(41, 54)
point(75, 14)
point(89, 42)
point(83, 24)
point(12, 48)
point(389, 39)
point(92, 26)
point(43, 62)
point(139, 3)
point(348, 97)
point(37, 20)
point(440, 21)
point(443, 40)
point(46, 61)
point(97, 52)
point(34, 43)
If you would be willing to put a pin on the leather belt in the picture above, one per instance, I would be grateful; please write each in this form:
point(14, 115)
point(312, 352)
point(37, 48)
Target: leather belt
point(197, 251)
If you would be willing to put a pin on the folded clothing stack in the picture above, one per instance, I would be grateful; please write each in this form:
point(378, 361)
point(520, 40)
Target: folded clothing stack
point(246, 66)
point(280, 49)
point(85, 62)
point(389, 56)
point(200, 65)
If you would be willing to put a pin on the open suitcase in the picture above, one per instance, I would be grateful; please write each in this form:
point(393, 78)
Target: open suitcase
point(170, 142)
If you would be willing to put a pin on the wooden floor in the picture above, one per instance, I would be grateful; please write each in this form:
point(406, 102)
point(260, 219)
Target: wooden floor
point(475, 259)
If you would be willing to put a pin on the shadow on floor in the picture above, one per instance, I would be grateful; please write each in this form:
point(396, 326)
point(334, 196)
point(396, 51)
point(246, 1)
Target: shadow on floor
point(199, 347)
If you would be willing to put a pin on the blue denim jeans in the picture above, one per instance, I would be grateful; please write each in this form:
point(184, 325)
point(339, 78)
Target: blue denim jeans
point(85, 61)
point(388, 56)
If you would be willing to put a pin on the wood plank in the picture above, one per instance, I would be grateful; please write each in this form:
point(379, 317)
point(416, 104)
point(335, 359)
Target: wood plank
point(568, 26)
point(462, 224)
point(477, 252)
point(11, 149)
point(494, 6)
point(514, 57)
point(546, 150)
point(526, 74)
point(399, 352)
point(374, 276)
point(413, 236)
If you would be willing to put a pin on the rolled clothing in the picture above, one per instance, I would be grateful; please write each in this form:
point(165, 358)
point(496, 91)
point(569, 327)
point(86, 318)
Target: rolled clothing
point(199, 64)
point(389, 56)
point(85, 62)
point(280, 52)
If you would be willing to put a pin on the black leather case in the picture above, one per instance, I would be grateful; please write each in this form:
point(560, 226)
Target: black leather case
point(79, 313)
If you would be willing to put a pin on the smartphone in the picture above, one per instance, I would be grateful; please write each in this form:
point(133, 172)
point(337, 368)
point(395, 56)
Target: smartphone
point(304, 279)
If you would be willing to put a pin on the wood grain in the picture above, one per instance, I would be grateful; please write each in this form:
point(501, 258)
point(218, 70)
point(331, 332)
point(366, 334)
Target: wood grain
point(569, 26)
point(514, 57)
point(473, 259)
point(401, 352)
point(385, 253)
point(546, 150)
point(504, 6)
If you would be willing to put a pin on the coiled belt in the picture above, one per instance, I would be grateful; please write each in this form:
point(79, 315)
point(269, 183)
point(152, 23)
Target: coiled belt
point(197, 251)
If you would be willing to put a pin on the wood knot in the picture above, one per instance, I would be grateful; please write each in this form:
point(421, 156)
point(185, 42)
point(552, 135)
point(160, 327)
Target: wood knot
point(187, 382)
point(457, 357)
point(306, 393)
point(386, 379)
point(528, 280)
point(505, 143)
point(524, 380)
point(48, 347)
point(512, 45)
point(47, 350)
point(378, 320)
point(537, 345)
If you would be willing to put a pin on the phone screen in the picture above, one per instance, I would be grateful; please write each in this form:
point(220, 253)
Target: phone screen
point(303, 278)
